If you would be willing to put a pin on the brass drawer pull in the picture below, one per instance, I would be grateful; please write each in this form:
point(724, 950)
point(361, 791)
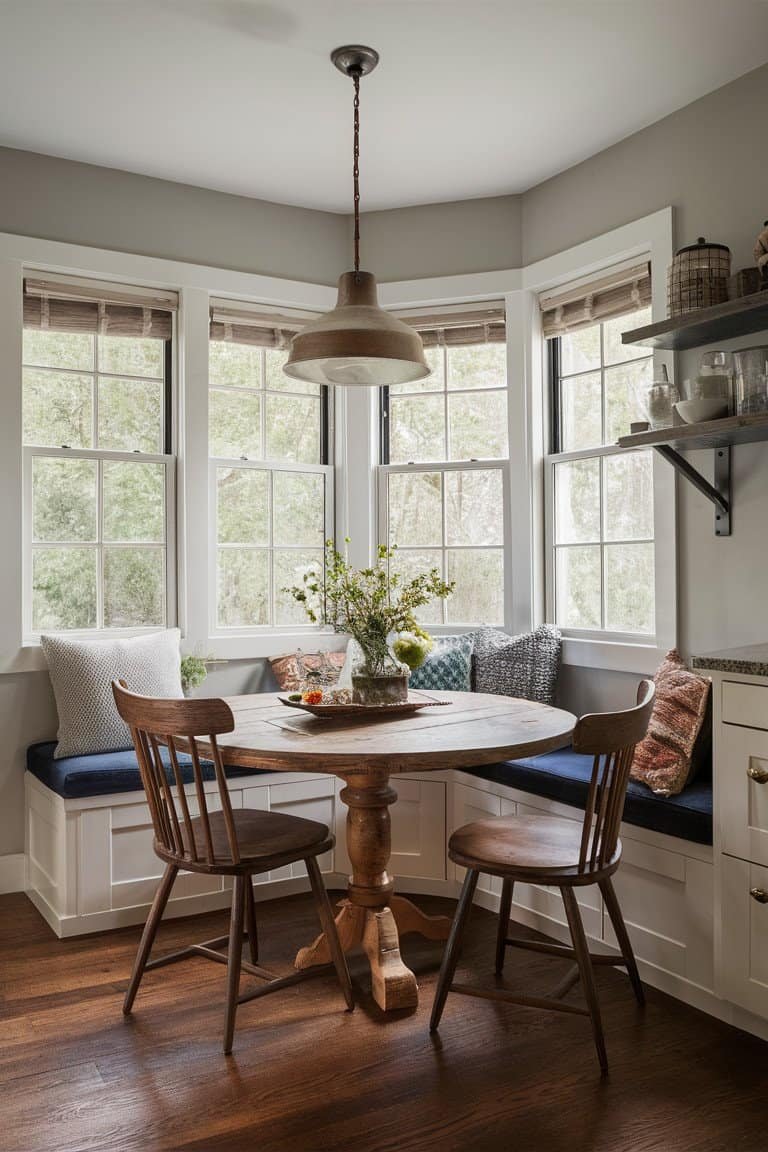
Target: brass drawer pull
point(759, 775)
point(759, 894)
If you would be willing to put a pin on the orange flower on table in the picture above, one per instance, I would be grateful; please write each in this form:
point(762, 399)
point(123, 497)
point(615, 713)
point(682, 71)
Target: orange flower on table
point(314, 696)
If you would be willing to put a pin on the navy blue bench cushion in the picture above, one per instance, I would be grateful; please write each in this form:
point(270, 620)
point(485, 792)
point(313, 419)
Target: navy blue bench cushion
point(565, 775)
point(102, 773)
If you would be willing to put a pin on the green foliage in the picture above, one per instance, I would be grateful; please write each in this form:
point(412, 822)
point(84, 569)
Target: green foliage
point(367, 603)
point(193, 671)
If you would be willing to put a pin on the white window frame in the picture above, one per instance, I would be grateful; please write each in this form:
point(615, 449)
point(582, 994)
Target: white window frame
point(356, 428)
point(168, 459)
point(597, 452)
point(648, 238)
point(601, 634)
point(168, 546)
point(502, 466)
point(272, 467)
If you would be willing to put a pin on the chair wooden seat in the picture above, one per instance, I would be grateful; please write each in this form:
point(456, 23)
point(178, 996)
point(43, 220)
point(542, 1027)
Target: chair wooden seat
point(265, 840)
point(238, 842)
point(562, 853)
point(545, 849)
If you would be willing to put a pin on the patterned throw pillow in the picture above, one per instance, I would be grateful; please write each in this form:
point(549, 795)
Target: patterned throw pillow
point(664, 760)
point(526, 666)
point(82, 672)
point(292, 671)
point(448, 668)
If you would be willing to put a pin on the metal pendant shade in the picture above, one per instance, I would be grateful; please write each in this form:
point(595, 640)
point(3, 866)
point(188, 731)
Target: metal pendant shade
point(358, 343)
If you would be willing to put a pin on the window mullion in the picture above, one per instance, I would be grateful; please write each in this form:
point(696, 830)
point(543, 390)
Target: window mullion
point(100, 544)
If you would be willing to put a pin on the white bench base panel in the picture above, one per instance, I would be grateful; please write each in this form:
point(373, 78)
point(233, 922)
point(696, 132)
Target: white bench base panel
point(90, 867)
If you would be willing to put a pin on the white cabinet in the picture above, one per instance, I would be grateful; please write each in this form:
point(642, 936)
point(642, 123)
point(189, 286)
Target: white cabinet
point(418, 822)
point(548, 902)
point(744, 965)
point(470, 804)
point(741, 841)
point(313, 798)
point(743, 789)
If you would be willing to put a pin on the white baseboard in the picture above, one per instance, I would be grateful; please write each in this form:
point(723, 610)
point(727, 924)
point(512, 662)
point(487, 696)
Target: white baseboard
point(12, 873)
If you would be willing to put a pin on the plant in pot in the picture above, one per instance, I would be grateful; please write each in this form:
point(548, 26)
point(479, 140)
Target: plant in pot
point(194, 670)
point(376, 608)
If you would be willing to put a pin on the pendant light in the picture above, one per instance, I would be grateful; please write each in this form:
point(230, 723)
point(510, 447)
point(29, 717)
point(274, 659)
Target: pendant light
point(358, 342)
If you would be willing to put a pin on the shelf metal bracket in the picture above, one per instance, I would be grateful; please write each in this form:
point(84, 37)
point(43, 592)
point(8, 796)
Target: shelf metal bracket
point(718, 493)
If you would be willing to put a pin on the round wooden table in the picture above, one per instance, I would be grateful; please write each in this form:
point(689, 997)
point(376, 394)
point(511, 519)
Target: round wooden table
point(469, 730)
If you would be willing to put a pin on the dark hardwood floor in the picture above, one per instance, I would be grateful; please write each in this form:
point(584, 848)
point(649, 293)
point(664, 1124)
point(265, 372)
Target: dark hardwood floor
point(306, 1076)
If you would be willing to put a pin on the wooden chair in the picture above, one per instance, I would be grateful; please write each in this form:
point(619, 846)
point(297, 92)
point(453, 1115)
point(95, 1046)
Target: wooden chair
point(237, 842)
point(561, 853)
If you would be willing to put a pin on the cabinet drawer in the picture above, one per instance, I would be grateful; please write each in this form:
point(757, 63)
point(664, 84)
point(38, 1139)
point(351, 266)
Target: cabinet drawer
point(744, 976)
point(745, 704)
point(742, 792)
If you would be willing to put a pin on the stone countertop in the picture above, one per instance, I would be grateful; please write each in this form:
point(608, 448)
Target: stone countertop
point(749, 661)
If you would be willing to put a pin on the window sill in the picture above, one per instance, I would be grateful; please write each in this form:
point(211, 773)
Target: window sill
point(613, 656)
point(259, 646)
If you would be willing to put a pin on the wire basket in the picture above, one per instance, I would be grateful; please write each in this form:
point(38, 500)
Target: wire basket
point(698, 277)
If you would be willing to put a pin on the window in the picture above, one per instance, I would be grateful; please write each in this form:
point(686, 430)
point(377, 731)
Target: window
point(600, 506)
point(443, 481)
point(271, 481)
point(98, 468)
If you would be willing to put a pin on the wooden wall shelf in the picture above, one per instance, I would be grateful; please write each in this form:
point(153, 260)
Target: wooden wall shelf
point(722, 433)
point(706, 326)
point(718, 435)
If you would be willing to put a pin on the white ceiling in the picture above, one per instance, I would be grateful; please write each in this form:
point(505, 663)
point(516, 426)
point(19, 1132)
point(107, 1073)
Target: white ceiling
point(478, 98)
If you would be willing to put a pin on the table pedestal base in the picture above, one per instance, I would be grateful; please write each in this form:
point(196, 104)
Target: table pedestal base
point(378, 930)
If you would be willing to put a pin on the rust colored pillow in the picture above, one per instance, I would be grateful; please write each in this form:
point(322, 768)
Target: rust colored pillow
point(291, 671)
point(664, 759)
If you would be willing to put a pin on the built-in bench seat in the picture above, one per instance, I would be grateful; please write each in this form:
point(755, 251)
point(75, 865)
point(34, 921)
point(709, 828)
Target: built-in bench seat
point(105, 773)
point(564, 776)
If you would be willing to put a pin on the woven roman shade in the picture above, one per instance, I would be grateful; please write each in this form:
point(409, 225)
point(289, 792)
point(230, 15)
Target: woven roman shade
point(254, 324)
point(460, 326)
point(614, 293)
point(109, 309)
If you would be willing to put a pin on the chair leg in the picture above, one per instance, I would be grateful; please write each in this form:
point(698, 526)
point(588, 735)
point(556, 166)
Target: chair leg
point(148, 935)
point(501, 934)
point(453, 947)
point(328, 925)
point(625, 944)
point(234, 958)
point(586, 971)
point(250, 921)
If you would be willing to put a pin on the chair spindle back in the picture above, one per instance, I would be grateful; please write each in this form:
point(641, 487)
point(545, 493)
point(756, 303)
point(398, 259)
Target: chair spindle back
point(611, 737)
point(178, 724)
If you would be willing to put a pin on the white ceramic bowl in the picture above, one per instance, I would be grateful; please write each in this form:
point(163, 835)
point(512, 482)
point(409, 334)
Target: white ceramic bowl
point(699, 411)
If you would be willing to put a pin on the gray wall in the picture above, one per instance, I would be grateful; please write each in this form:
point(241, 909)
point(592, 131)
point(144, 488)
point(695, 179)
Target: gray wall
point(103, 208)
point(708, 160)
point(443, 239)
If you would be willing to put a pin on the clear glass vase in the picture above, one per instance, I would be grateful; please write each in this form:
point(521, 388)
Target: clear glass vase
point(374, 674)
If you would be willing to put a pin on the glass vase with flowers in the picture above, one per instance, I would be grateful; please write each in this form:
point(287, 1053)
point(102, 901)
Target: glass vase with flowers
point(376, 607)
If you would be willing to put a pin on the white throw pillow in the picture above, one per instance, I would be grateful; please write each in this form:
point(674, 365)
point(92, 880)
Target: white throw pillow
point(82, 672)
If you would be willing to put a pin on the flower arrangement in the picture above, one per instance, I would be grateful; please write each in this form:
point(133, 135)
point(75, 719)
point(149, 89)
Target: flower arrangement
point(370, 605)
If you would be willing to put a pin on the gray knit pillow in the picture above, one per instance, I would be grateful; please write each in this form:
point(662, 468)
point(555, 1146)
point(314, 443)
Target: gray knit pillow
point(525, 666)
point(82, 672)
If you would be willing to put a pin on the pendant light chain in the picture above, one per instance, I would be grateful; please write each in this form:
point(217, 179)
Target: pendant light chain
point(356, 166)
point(357, 343)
